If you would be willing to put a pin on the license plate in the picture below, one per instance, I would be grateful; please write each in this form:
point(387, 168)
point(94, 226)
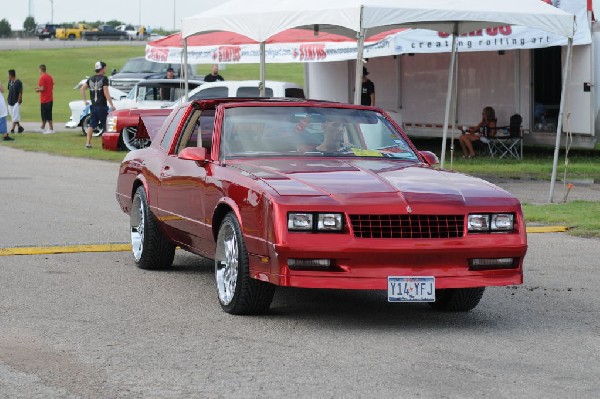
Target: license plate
point(411, 289)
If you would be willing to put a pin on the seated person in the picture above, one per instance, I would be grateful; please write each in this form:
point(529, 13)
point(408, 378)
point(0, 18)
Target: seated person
point(332, 137)
point(485, 128)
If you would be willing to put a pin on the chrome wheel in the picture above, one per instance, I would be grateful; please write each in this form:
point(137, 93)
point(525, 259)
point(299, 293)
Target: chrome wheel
point(238, 292)
point(85, 124)
point(226, 263)
point(132, 142)
point(151, 249)
point(137, 219)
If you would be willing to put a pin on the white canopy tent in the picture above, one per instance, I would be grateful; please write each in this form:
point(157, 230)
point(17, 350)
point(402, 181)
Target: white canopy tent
point(360, 18)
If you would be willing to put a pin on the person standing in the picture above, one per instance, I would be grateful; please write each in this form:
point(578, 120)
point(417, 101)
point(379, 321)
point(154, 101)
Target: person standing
point(214, 75)
point(46, 89)
point(15, 98)
point(3, 114)
point(165, 92)
point(100, 97)
point(368, 90)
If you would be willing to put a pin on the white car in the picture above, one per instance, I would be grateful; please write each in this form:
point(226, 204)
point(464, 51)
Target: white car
point(246, 88)
point(147, 94)
point(80, 111)
point(132, 31)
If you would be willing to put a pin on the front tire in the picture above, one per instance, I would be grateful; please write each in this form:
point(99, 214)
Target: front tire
point(130, 141)
point(151, 250)
point(457, 299)
point(238, 293)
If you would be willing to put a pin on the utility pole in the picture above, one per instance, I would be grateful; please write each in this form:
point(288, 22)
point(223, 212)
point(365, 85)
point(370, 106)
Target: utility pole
point(51, 11)
point(30, 8)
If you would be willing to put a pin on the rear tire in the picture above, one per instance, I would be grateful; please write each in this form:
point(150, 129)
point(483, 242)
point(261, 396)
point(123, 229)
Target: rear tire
point(151, 249)
point(238, 293)
point(457, 299)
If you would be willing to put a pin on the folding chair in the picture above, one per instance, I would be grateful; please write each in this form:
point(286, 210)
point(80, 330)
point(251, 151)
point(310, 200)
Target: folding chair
point(510, 145)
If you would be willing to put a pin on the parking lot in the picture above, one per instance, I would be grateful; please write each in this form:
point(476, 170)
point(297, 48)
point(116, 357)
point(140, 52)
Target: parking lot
point(92, 325)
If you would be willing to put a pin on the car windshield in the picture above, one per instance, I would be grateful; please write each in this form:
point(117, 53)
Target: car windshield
point(310, 131)
point(143, 66)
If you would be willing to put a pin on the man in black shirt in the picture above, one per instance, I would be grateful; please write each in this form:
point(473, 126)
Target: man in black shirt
point(15, 98)
point(214, 76)
point(100, 96)
point(368, 90)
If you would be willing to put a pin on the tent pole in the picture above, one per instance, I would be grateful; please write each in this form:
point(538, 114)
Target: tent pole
point(360, 44)
point(449, 94)
point(185, 64)
point(359, 65)
point(261, 86)
point(454, 109)
point(563, 94)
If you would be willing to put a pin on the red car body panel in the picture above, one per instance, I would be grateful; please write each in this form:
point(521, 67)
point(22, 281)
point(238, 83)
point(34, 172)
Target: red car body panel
point(189, 199)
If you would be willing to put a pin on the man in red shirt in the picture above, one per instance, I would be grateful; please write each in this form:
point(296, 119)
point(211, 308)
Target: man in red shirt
point(45, 88)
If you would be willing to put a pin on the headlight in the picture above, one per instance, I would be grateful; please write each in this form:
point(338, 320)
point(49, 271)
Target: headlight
point(502, 222)
point(492, 222)
point(111, 124)
point(323, 222)
point(300, 221)
point(479, 222)
point(330, 221)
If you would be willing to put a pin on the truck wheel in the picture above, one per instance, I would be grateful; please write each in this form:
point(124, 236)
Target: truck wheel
point(151, 249)
point(71, 36)
point(457, 299)
point(132, 142)
point(85, 124)
point(238, 293)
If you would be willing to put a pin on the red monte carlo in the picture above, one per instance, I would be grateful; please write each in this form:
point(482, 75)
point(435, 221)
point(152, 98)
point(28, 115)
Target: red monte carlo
point(299, 193)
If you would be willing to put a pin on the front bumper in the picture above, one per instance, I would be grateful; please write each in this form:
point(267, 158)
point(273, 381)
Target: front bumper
point(366, 264)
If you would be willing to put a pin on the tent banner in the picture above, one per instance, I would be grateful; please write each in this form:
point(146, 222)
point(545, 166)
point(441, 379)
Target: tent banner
point(407, 41)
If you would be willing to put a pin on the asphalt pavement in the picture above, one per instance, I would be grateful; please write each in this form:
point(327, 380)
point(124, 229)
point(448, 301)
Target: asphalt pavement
point(92, 325)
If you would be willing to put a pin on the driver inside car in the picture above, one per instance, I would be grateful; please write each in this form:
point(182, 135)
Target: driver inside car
point(333, 133)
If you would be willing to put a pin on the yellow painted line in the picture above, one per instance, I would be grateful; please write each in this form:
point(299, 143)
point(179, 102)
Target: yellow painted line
point(547, 229)
point(64, 249)
point(71, 249)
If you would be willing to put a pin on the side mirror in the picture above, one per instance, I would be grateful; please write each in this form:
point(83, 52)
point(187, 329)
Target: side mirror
point(197, 154)
point(430, 157)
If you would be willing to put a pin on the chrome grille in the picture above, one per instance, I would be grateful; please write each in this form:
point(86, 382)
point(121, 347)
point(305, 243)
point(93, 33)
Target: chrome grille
point(407, 226)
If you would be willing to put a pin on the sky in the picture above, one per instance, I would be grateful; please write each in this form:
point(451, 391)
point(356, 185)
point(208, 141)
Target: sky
point(154, 13)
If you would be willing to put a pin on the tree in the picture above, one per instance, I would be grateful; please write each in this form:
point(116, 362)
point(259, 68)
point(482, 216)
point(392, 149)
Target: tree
point(29, 24)
point(114, 22)
point(5, 28)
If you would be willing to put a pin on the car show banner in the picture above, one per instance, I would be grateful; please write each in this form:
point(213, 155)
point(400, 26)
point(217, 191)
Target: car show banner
point(296, 45)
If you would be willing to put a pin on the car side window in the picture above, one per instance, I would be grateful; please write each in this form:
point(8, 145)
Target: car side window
point(253, 92)
point(212, 92)
point(198, 131)
point(168, 138)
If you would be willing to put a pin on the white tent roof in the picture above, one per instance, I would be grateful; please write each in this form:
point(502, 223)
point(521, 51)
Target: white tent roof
point(261, 20)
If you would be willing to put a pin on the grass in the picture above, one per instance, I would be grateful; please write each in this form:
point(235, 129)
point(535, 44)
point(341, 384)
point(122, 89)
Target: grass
point(536, 163)
point(582, 217)
point(69, 65)
point(67, 144)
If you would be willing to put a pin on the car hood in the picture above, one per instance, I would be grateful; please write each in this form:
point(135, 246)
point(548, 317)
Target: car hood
point(344, 180)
